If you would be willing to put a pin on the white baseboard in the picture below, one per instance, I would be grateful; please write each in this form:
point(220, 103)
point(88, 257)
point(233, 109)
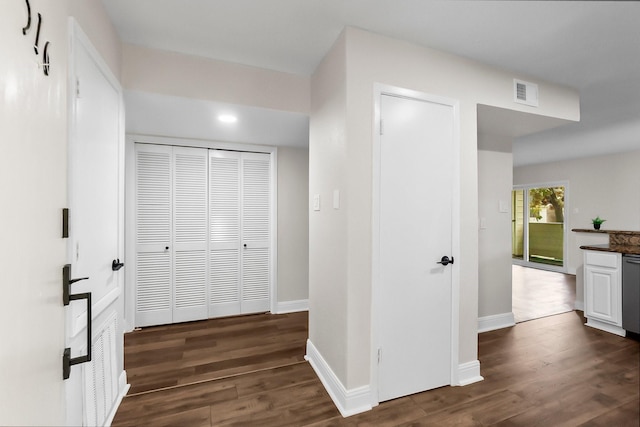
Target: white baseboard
point(603, 326)
point(469, 373)
point(123, 389)
point(292, 306)
point(496, 321)
point(348, 402)
point(578, 305)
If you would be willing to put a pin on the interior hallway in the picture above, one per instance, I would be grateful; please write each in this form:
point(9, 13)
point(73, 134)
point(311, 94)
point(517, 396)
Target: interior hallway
point(541, 293)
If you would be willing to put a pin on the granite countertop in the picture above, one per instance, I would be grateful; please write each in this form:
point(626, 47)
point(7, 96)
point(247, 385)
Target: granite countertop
point(623, 249)
point(622, 241)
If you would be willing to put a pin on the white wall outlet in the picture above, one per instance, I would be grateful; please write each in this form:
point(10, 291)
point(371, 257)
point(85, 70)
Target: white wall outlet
point(316, 202)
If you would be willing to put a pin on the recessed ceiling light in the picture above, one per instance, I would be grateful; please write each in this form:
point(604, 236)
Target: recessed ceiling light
point(227, 118)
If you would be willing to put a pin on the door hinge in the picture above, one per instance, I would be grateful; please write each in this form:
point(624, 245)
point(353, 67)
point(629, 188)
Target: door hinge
point(77, 88)
point(381, 127)
point(379, 355)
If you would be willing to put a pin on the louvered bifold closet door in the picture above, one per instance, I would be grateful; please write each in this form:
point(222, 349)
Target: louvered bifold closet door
point(224, 233)
point(190, 234)
point(255, 220)
point(153, 228)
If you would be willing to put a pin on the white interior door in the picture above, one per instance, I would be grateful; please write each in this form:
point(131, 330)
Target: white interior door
point(190, 273)
point(183, 195)
point(415, 218)
point(224, 239)
point(256, 226)
point(153, 234)
point(240, 224)
point(95, 235)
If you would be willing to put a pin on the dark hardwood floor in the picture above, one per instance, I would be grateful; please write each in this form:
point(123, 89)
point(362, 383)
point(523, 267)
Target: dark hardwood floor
point(552, 371)
point(186, 353)
point(539, 293)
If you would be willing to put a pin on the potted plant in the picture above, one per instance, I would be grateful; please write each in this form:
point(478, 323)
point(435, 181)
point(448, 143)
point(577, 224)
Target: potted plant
point(597, 222)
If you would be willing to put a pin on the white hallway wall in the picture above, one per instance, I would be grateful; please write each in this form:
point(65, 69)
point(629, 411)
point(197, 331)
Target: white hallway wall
point(495, 175)
point(186, 76)
point(608, 186)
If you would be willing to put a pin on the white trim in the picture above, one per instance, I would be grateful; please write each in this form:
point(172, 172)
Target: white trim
point(469, 373)
point(123, 389)
point(348, 402)
point(283, 307)
point(129, 236)
point(131, 140)
point(495, 321)
point(603, 326)
point(579, 305)
point(201, 143)
point(380, 89)
point(273, 244)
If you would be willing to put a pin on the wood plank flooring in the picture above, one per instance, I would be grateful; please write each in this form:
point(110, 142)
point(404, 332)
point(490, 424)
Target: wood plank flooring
point(552, 371)
point(539, 293)
point(173, 355)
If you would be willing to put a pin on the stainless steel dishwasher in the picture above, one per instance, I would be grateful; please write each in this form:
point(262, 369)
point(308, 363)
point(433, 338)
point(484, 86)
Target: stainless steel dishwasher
point(631, 293)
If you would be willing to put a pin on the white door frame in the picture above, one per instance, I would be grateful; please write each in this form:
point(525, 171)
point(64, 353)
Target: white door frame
point(131, 140)
point(377, 304)
point(524, 262)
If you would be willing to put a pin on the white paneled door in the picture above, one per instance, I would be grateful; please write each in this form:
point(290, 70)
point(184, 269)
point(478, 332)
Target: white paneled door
point(415, 220)
point(202, 233)
point(96, 234)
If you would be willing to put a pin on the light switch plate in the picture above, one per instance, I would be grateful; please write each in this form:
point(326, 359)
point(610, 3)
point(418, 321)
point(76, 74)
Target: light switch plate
point(504, 206)
point(316, 202)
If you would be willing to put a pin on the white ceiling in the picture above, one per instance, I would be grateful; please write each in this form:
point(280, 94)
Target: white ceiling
point(177, 117)
point(588, 45)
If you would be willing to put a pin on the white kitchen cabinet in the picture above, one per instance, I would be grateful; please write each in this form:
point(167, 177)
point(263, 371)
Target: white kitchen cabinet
point(603, 291)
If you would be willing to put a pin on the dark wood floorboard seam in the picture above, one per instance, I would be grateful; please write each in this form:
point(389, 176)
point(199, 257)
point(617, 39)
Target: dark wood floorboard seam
point(225, 377)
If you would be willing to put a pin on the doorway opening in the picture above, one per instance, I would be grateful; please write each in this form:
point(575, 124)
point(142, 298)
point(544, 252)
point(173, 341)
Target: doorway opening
point(538, 226)
point(540, 284)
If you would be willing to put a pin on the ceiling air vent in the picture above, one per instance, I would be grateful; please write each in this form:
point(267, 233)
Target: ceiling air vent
point(525, 93)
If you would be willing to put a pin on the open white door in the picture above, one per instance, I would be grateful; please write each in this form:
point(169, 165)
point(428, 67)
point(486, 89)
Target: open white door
point(95, 243)
point(415, 234)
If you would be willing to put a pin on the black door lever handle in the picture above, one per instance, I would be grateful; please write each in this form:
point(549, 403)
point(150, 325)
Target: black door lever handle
point(116, 264)
point(445, 260)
